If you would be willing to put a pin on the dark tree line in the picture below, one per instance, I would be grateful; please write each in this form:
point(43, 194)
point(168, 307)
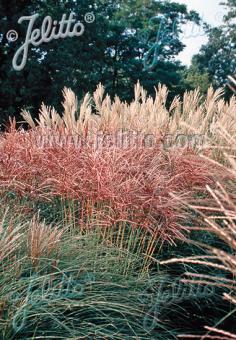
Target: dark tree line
point(129, 40)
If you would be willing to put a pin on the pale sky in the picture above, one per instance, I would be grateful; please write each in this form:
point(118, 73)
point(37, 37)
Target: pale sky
point(193, 38)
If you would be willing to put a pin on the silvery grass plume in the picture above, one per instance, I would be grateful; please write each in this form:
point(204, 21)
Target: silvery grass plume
point(10, 238)
point(98, 113)
point(43, 241)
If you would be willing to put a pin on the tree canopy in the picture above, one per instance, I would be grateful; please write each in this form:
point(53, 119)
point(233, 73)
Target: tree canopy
point(129, 40)
point(217, 57)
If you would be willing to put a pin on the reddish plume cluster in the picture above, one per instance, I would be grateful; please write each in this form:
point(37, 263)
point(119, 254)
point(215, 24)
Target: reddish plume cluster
point(131, 183)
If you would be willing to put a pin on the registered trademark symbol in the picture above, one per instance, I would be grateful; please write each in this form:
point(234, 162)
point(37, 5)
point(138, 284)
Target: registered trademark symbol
point(89, 17)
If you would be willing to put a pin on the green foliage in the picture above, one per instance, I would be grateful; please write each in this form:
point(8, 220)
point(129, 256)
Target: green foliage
point(98, 290)
point(217, 57)
point(85, 293)
point(194, 78)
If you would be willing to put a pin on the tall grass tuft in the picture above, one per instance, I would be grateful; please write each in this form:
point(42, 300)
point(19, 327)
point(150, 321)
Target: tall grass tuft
point(103, 166)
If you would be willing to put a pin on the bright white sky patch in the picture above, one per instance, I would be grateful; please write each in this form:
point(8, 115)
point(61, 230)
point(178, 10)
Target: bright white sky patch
point(193, 38)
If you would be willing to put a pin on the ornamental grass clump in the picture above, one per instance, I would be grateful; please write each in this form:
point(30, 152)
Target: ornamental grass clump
point(112, 188)
point(69, 286)
point(112, 178)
